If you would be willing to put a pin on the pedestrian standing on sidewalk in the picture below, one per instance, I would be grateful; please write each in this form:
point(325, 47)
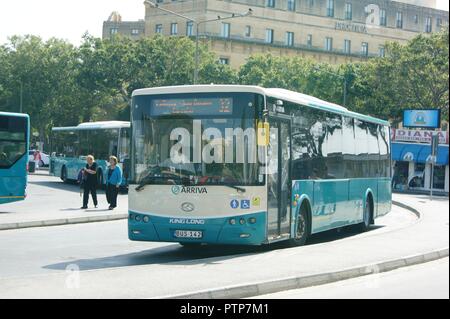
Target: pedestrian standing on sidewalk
point(113, 182)
point(90, 182)
point(37, 157)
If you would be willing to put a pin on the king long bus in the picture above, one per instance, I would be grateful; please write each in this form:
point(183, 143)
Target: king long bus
point(71, 145)
point(249, 165)
point(14, 142)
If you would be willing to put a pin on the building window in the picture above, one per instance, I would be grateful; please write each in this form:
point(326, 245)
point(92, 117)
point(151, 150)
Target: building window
point(347, 46)
point(381, 51)
point(159, 28)
point(399, 20)
point(365, 49)
point(439, 22)
point(269, 35)
point(189, 28)
point(383, 20)
point(416, 19)
point(224, 61)
point(173, 28)
point(135, 32)
point(311, 3)
point(348, 11)
point(226, 30)
point(290, 39)
point(428, 25)
point(330, 8)
point(248, 31)
point(329, 44)
point(271, 3)
point(291, 5)
point(309, 40)
point(113, 31)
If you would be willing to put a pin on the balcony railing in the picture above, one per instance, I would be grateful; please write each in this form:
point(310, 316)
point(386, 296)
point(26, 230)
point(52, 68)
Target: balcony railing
point(281, 44)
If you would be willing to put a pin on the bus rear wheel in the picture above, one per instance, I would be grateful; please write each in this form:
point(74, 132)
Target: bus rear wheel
point(367, 216)
point(302, 227)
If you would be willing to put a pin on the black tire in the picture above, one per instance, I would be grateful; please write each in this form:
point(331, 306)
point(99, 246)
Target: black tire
point(367, 216)
point(64, 174)
point(302, 227)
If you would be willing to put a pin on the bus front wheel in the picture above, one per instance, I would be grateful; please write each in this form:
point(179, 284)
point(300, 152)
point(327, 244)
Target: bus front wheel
point(302, 227)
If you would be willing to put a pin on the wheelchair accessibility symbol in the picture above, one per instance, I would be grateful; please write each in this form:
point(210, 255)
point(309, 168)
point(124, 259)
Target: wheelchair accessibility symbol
point(245, 204)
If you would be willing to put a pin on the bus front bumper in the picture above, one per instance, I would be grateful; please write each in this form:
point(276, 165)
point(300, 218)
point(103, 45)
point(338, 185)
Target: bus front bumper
point(249, 229)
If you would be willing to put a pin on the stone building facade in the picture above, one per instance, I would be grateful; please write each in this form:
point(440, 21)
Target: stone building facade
point(334, 31)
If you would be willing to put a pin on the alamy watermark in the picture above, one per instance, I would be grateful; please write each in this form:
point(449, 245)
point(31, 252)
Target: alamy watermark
point(229, 145)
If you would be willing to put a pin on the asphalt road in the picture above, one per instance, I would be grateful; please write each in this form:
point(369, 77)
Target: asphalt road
point(96, 246)
point(423, 281)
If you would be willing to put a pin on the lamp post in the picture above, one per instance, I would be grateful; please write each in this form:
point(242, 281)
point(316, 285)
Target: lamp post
point(21, 96)
point(198, 23)
point(343, 77)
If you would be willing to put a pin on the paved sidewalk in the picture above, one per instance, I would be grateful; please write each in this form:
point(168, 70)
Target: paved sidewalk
point(217, 276)
point(51, 202)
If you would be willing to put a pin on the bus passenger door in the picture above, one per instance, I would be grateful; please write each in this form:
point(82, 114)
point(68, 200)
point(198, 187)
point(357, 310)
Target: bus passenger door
point(278, 178)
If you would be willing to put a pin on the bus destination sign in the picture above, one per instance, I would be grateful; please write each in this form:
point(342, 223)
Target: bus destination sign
point(199, 106)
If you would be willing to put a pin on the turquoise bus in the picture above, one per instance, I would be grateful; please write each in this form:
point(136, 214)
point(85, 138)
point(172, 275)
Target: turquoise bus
point(14, 142)
point(220, 164)
point(71, 145)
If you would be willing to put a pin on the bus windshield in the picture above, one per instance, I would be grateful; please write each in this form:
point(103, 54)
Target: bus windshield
point(201, 139)
point(13, 139)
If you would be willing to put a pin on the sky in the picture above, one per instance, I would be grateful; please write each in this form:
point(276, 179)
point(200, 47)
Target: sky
point(70, 19)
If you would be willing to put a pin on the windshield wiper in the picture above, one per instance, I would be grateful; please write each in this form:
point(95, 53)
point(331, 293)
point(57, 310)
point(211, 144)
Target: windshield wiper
point(150, 177)
point(239, 189)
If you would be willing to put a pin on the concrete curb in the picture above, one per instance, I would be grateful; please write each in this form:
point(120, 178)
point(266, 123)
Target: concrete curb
point(298, 282)
point(63, 221)
point(407, 207)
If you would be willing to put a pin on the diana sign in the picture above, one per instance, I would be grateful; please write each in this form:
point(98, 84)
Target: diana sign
point(416, 136)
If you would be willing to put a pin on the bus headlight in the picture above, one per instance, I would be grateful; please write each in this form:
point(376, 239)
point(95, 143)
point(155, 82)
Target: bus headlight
point(232, 221)
point(137, 218)
point(242, 221)
point(146, 219)
point(252, 220)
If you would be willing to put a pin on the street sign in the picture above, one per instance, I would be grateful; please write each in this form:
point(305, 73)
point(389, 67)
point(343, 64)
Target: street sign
point(434, 150)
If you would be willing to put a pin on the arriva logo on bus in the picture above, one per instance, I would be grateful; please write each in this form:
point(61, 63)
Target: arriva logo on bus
point(188, 190)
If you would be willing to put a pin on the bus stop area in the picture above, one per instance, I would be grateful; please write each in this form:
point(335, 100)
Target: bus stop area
point(51, 202)
point(96, 260)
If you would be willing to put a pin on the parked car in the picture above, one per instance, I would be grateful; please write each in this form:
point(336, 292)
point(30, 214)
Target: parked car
point(45, 158)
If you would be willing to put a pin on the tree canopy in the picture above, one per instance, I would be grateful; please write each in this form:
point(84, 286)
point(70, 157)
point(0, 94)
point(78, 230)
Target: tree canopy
point(62, 85)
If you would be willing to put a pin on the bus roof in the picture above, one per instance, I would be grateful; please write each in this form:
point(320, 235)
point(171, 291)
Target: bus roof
point(14, 114)
point(282, 94)
point(94, 126)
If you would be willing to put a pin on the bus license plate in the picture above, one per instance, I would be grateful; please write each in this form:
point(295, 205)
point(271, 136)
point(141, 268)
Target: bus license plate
point(188, 234)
